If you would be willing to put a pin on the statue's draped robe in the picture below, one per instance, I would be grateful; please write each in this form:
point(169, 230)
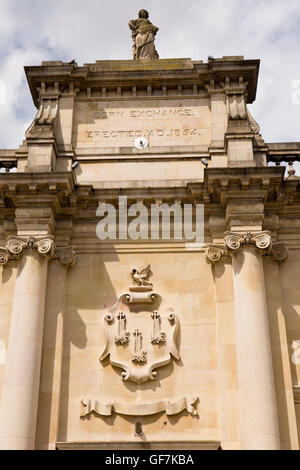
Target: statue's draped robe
point(143, 39)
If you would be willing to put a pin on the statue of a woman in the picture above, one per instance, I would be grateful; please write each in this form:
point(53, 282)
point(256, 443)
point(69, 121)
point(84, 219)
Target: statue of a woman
point(143, 35)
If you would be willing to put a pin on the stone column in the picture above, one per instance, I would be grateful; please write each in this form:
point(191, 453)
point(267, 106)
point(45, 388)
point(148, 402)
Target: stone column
point(52, 355)
point(18, 412)
point(257, 399)
point(258, 410)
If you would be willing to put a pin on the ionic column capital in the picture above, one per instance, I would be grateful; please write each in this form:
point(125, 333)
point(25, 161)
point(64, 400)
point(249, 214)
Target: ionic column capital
point(66, 255)
point(214, 254)
point(280, 251)
point(234, 241)
point(261, 240)
point(17, 246)
point(4, 257)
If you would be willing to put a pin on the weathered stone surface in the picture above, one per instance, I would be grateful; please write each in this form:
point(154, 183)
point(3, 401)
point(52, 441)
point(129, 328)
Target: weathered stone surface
point(220, 338)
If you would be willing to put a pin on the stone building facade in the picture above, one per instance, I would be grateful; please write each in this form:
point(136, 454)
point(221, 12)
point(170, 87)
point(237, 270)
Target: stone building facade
point(149, 343)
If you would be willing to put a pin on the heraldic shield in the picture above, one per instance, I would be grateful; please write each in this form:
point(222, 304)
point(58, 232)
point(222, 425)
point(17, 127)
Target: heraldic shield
point(139, 340)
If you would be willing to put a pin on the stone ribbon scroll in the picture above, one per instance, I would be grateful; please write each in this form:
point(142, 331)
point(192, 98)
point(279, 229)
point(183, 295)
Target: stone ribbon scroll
point(139, 409)
point(138, 295)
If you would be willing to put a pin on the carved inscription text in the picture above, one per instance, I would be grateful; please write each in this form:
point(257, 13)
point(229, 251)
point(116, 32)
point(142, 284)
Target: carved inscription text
point(127, 134)
point(146, 114)
point(110, 125)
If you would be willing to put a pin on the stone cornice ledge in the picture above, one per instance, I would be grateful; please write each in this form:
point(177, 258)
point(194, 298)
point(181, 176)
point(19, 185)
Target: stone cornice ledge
point(138, 445)
point(234, 241)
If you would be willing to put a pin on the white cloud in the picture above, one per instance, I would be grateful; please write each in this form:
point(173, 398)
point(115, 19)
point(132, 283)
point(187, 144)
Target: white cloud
point(32, 31)
point(7, 24)
point(17, 111)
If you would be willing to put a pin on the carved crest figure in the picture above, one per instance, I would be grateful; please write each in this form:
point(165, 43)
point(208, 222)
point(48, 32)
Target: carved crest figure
point(146, 343)
point(143, 35)
point(139, 340)
point(140, 277)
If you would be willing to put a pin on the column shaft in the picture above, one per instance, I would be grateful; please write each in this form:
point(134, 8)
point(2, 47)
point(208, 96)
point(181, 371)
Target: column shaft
point(258, 412)
point(52, 356)
point(18, 412)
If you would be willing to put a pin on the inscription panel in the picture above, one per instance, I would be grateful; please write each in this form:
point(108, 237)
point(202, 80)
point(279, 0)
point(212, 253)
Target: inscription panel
point(163, 123)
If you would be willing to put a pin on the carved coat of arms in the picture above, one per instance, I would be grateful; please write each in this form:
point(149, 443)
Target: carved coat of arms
point(140, 339)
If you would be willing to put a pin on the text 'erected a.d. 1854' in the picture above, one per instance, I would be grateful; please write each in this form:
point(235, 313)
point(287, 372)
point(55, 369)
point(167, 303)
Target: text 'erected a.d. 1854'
point(110, 126)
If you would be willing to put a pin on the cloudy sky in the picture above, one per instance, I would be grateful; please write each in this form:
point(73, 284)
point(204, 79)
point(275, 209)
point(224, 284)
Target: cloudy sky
point(89, 30)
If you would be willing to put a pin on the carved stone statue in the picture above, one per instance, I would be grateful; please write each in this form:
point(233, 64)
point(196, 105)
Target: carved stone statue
point(143, 35)
point(140, 277)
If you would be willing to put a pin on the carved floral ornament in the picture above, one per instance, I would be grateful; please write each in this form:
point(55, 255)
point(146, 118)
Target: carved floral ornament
point(17, 246)
point(233, 242)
